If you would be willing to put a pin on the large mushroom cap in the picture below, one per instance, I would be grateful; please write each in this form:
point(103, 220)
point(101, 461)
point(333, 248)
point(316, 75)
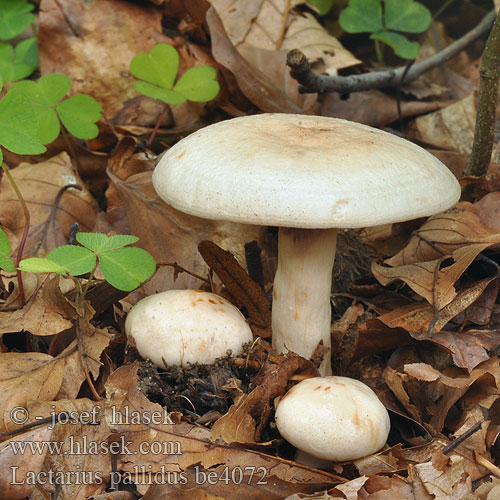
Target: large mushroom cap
point(333, 418)
point(181, 327)
point(302, 171)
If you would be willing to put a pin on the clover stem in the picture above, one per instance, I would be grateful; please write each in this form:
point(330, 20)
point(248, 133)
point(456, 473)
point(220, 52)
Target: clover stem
point(81, 297)
point(165, 110)
point(380, 51)
point(71, 149)
point(20, 248)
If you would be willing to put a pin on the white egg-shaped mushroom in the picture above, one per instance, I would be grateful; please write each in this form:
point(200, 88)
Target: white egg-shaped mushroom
point(181, 327)
point(333, 418)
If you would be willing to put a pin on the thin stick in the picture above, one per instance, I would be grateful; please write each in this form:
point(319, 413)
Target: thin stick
point(311, 82)
point(482, 146)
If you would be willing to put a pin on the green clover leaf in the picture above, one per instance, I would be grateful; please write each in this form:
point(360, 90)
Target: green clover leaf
point(126, 268)
point(322, 6)
point(399, 43)
point(18, 124)
point(77, 113)
point(98, 242)
point(15, 17)
point(5, 261)
point(19, 63)
point(40, 265)
point(77, 260)
point(157, 70)
point(407, 16)
point(362, 16)
point(198, 84)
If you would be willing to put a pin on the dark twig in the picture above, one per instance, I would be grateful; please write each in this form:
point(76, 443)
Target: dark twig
point(482, 146)
point(311, 82)
point(459, 440)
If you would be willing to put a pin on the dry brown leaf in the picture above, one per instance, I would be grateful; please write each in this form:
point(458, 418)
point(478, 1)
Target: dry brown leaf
point(26, 376)
point(443, 233)
point(449, 128)
point(261, 26)
point(46, 313)
point(244, 290)
point(84, 448)
point(197, 450)
point(372, 107)
point(427, 394)
point(172, 236)
point(19, 469)
point(83, 357)
point(424, 319)
point(256, 85)
point(469, 349)
point(433, 280)
point(40, 185)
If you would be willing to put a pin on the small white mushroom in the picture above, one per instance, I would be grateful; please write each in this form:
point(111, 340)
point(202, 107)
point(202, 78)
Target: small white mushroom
point(333, 418)
point(181, 327)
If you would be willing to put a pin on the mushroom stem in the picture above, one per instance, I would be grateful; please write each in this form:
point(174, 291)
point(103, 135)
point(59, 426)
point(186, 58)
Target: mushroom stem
point(301, 293)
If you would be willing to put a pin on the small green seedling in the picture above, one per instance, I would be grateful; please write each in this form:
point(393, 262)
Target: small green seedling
point(157, 70)
point(78, 113)
point(124, 268)
point(15, 17)
point(408, 16)
point(20, 62)
point(5, 261)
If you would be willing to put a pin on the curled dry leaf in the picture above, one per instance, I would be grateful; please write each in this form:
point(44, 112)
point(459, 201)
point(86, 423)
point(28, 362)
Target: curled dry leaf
point(444, 233)
point(41, 183)
point(428, 394)
point(191, 449)
point(257, 86)
point(17, 470)
point(273, 25)
point(46, 313)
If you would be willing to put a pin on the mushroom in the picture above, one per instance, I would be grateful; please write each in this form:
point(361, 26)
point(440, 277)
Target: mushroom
point(333, 418)
point(308, 175)
point(181, 327)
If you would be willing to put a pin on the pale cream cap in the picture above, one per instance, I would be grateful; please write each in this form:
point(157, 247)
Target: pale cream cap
point(302, 171)
point(333, 418)
point(178, 327)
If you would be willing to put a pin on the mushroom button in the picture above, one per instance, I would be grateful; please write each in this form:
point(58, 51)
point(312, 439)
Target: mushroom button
point(333, 418)
point(181, 327)
point(309, 175)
